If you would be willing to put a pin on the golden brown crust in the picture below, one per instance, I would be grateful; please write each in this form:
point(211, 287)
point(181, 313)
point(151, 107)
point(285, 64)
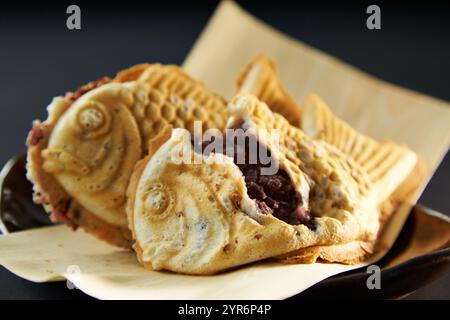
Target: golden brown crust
point(86, 88)
point(260, 79)
point(131, 74)
point(388, 164)
point(176, 99)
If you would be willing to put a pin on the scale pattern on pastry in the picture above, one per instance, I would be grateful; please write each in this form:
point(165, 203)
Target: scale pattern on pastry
point(81, 158)
point(165, 95)
point(199, 217)
point(388, 164)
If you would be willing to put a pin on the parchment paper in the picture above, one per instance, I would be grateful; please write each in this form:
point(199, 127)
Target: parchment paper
point(231, 39)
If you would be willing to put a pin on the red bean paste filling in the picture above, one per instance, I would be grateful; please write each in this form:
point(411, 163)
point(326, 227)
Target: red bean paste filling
point(273, 194)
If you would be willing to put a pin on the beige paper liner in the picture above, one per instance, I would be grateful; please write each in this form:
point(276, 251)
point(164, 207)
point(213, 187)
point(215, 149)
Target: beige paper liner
point(231, 39)
point(110, 273)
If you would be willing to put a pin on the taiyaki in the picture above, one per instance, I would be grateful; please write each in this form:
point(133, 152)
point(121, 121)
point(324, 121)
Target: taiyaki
point(81, 158)
point(199, 210)
point(260, 78)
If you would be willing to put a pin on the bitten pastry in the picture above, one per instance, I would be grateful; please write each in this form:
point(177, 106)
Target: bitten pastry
point(260, 79)
point(197, 209)
point(387, 163)
point(81, 158)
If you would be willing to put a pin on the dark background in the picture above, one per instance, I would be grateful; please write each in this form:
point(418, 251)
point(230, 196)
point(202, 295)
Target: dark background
point(40, 58)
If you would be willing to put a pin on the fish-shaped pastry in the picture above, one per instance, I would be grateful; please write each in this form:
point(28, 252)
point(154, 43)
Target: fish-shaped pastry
point(201, 208)
point(81, 158)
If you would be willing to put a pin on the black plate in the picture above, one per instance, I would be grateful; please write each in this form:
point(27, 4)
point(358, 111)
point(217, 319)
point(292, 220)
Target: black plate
point(420, 254)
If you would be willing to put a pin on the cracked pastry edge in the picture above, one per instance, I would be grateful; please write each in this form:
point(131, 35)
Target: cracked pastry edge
point(260, 78)
point(351, 250)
